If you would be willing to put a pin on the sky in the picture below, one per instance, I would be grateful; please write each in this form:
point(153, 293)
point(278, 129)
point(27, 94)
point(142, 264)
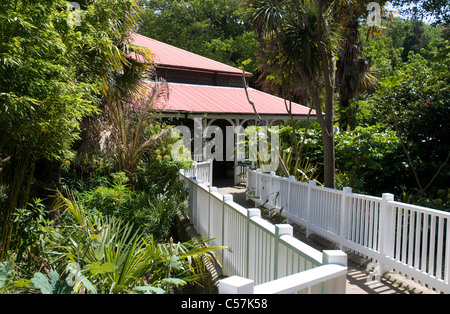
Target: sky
point(389, 6)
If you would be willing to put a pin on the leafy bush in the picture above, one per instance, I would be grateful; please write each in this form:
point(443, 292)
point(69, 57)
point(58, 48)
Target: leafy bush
point(310, 144)
point(114, 257)
point(34, 229)
point(104, 255)
point(154, 215)
point(370, 160)
point(87, 171)
point(415, 102)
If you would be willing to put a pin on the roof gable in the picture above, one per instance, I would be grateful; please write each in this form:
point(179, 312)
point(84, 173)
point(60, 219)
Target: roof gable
point(198, 96)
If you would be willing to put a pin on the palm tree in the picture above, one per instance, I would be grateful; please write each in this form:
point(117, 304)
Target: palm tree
point(298, 38)
point(353, 72)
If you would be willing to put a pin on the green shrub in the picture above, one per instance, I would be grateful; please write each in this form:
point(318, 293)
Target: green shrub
point(153, 213)
point(370, 160)
point(34, 229)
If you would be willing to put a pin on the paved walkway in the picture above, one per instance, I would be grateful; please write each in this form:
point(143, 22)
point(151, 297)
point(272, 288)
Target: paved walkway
point(360, 280)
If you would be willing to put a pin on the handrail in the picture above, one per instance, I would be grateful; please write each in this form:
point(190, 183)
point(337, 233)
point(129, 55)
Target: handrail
point(408, 239)
point(303, 280)
point(260, 251)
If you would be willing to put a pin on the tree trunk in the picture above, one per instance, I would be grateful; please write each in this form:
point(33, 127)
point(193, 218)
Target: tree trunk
point(328, 68)
point(329, 160)
point(348, 74)
point(48, 177)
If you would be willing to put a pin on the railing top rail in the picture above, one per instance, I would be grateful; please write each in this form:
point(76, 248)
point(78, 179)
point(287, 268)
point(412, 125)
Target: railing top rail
point(366, 197)
point(420, 209)
point(309, 253)
point(201, 163)
point(264, 225)
point(238, 208)
point(300, 281)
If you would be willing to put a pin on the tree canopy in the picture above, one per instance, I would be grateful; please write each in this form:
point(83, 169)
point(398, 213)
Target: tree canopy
point(436, 11)
point(217, 29)
point(54, 71)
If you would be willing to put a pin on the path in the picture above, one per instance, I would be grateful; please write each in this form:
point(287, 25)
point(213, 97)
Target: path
point(359, 278)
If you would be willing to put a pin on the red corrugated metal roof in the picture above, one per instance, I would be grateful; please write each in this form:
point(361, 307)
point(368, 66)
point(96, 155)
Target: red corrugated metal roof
point(210, 99)
point(225, 100)
point(173, 57)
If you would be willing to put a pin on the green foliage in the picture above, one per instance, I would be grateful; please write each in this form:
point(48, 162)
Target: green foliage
point(437, 10)
point(10, 283)
point(153, 214)
point(6, 271)
point(51, 284)
point(310, 164)
point(34, 230)
point(52, 76)
point(127, 126)
point(369, 159)
point(105, 255)
point(42, 99)
point(416, 100)
point(87, 171)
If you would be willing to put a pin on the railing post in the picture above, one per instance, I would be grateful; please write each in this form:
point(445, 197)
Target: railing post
point(270, 196)
point(252, 212)
point(280, 230)
point(338, 257)
point(288, 201)
point(312, 184)
point(387, 231)
point(250, 185)
point(226, 198)
point(210, 172)
point(193, 198)
point(194, 168)
point(345, 212)
point(257, 187)
point(211, 190)
point(236, 285)
point(197, 216)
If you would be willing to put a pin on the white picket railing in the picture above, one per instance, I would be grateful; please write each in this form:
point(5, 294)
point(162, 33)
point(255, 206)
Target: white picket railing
point(202, 171)
point(267, 257)
point(410, 240)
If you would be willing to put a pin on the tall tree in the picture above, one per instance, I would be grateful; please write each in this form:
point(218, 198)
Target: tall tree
point(217, 29)
point(298, 38)
point(352, 69)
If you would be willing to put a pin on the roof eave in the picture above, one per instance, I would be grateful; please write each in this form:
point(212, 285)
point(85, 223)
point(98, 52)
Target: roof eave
point(201, 70)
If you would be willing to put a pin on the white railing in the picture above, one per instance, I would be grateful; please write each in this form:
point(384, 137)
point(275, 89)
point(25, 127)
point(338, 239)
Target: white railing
point(410, 240)
point(260, 253)
point(202, 171)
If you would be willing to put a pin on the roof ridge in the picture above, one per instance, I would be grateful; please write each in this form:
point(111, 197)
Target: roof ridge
point(225, 67)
